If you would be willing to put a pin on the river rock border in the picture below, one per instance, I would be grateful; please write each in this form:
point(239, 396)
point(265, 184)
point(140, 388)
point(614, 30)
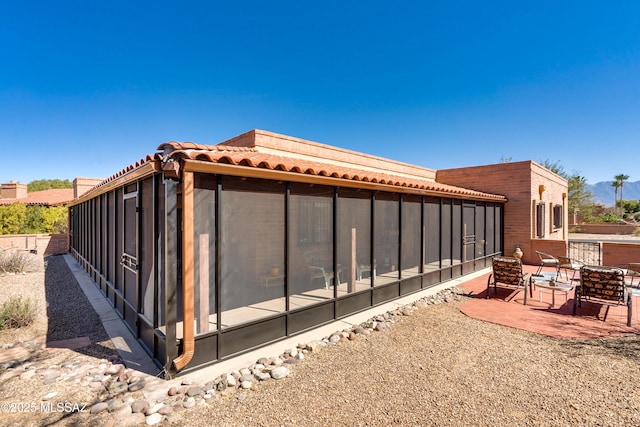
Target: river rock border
point(111, 380)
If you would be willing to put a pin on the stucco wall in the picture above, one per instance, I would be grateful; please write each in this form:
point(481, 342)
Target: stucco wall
point(44, 244)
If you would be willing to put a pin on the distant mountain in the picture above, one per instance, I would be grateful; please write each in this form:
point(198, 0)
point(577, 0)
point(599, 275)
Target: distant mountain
point(604, 193)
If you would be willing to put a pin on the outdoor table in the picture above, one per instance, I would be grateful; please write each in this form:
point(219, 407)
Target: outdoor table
point(548, 281)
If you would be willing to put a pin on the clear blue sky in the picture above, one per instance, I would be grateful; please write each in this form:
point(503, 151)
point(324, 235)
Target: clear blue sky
point(89, 87)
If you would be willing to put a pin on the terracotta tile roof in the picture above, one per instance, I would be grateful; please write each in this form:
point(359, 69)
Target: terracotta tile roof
point(251, 157)
point(156, 157)
point(262, 150)
point(51, 197)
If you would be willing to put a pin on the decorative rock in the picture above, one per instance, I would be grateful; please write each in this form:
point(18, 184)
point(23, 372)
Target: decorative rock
point(222, 385)
point(194, 391)
point(114, 369)
point(231, 381)
point(141, 406)
point(123, 411)
point(153, 419)
point(138, 385)
point(381, 326)
point(189, 402)
point(155, 408)
point(262, 376)
point(279, 373)
point(314, 346)
point(50, 395)
point(116, 404)
point(246, 384)
point(172, 391)
point(420, 304)
point(334, 338)
point(165, 410)
point(27, 374)
point(118, 388)
point(98, 407)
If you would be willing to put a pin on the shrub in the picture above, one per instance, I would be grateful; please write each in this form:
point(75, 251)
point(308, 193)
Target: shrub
point(16, 313)
point(15, 262)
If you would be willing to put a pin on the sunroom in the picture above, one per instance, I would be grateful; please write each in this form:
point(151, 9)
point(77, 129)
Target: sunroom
point(209, 251)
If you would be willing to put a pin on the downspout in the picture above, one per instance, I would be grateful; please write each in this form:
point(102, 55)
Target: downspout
point(188, 319)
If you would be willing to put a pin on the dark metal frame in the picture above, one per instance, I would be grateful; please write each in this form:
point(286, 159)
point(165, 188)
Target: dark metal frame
point(91, 222)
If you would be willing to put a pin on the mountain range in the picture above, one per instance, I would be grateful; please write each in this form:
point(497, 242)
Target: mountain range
point(604, 193)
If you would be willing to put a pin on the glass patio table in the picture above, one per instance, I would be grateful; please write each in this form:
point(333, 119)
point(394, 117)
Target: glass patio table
point(549, 281)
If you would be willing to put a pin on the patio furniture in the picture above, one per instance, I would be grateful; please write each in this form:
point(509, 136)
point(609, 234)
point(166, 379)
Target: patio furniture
point(547, 260)
point(567, 264)
point(364, 268)
point(632, 272)
point(603, 285)
point(508, 272)
point(548, 281)
point(326, 275)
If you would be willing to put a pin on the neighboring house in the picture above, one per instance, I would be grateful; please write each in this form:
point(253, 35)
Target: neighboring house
point(14, 192)
point(209, 251)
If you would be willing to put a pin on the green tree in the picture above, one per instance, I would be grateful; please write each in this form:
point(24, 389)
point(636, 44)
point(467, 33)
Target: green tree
point(54, 219)
point(46, 184)
point(616, 186)
point(556, 168)
point(12, 218)
point(19, 218)
point(580, 200)
point(620, 179)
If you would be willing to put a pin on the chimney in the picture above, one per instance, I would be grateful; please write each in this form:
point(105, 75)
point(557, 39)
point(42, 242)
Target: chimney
point(82, 185)
point(13, 190)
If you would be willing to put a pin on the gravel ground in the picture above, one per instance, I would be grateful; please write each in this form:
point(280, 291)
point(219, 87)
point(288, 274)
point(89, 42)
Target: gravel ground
point(441, 368)
point(435, 367)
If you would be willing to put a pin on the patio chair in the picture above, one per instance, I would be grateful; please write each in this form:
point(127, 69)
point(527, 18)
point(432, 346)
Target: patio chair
point(567, 264)
point(547, 260)
point(508, 272)
point(603, 285)
point(633, 273)
point(326, 275)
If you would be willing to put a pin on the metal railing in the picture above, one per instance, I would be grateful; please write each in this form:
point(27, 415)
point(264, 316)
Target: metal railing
point(587, 251)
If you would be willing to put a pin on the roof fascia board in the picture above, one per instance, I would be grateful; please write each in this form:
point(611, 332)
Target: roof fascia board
point(136, 174)
point(252, 172)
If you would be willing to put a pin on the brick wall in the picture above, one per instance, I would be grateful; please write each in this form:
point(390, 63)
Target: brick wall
point(620, 253)
point(604, 228)
point(82, 185)
point(13, 190)
point(520, 182)
point(44, 244)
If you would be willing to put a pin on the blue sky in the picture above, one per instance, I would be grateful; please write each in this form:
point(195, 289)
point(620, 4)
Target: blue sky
point(88, 87)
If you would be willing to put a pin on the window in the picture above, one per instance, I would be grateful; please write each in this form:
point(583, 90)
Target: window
point(557, 216)
point(540, 220)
